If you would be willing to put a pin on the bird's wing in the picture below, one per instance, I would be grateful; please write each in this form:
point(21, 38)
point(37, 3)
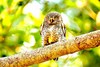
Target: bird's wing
point(41, 28)
point(63, 29)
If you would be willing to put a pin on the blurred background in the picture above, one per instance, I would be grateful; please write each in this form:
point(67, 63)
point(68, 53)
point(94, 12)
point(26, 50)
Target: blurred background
point(20, 22)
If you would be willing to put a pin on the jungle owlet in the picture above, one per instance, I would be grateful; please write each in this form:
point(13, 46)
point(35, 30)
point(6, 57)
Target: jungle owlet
point(52, 29)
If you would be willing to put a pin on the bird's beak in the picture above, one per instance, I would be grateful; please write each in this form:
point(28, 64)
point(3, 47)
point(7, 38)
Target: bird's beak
point(51, 20)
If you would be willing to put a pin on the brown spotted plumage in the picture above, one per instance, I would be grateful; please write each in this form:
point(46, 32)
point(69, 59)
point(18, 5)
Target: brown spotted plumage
point(52, 29)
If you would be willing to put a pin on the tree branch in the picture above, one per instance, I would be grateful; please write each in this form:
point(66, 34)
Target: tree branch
point(58, 49)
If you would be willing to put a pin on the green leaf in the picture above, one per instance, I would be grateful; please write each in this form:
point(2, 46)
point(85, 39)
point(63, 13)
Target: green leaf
point(9, 2)
point(1, 8)
point(18, 20)
point(74, 27)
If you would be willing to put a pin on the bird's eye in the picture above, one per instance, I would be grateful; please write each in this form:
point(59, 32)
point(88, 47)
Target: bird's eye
point(56, 17)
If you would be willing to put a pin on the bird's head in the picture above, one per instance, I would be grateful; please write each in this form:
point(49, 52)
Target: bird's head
point(53, 18)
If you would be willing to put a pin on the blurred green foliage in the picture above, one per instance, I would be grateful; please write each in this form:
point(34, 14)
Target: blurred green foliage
point(20, 22)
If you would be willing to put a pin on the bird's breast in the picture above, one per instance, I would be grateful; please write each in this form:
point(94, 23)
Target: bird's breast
point(53, 34)
point(51, 28)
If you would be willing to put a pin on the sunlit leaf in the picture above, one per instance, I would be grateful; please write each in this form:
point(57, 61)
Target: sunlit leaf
point(96, 3)
point(98, 19)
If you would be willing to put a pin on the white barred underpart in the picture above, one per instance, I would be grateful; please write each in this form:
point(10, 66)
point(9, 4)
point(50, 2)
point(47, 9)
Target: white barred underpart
point(51, 28)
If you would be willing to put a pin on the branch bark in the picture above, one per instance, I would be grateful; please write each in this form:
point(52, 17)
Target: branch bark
point(45, 53)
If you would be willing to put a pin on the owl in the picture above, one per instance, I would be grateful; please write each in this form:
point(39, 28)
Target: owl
point(52, 29)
